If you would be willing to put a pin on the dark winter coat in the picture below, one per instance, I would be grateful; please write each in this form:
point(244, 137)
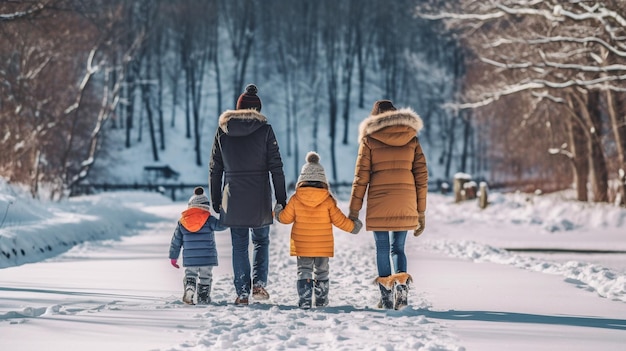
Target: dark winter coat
point(245, 152)
point(391, 167)
point(195, 234)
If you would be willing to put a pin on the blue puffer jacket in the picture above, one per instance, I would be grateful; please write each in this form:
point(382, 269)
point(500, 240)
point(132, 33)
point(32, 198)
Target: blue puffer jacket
point(195, 234)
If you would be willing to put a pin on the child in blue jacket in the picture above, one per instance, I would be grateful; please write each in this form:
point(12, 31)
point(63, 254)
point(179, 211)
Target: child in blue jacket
point(195, 234)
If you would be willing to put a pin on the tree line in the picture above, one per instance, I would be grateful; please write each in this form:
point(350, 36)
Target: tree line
point(75, 68)
point(519, 92)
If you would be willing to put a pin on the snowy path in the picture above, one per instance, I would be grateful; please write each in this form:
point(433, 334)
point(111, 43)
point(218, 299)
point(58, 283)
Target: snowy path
point(123, 295)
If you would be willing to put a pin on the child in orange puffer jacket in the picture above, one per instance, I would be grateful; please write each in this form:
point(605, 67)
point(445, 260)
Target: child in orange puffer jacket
point(313, 211)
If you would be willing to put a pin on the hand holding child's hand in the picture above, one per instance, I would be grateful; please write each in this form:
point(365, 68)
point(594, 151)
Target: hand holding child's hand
point(174, 263)
point(353, 215)
point(421, 219)
point(357, 226)
point(277, 210)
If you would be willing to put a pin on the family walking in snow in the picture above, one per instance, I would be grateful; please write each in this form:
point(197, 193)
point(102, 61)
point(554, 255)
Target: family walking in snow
point(246, 164)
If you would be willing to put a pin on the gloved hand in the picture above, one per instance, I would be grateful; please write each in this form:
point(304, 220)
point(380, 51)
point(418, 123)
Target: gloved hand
point(277, 210)
point(421, 220)
point(174, 263)
point(357, 226)
point(353, 215)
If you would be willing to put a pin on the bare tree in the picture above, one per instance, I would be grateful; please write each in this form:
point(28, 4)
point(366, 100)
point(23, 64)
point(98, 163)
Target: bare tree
point(561, 53)
point(240, 21)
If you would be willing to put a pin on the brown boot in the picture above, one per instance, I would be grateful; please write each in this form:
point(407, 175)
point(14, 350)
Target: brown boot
point(259, 293)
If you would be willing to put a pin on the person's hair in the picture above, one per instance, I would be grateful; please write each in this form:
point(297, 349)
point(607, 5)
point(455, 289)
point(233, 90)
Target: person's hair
point(312, 184)
point(382, 106)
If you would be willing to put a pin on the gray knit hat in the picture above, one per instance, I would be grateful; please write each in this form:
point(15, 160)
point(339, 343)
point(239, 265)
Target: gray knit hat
point(312, 171)
point(199, 199)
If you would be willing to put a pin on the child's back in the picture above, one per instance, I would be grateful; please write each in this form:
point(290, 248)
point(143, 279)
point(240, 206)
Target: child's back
point(313, 212)
point(194, 234)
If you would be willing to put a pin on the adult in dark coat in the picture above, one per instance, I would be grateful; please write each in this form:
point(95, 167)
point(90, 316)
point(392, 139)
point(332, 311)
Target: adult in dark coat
point(245, 153)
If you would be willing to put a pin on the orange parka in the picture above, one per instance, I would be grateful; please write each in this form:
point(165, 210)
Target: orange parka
point(313, 212)
point(391, 167)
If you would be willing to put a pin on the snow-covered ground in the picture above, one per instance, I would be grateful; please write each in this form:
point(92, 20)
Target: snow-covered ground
point(94, 275)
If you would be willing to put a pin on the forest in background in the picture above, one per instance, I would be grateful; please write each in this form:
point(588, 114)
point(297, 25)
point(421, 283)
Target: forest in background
point(528, 93)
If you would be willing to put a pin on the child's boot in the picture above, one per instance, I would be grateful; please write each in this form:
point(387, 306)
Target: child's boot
point(204, 294)
point(402, 284)
point(305, 293)
point(321, 292)
point(190, 290)
point(386, 286)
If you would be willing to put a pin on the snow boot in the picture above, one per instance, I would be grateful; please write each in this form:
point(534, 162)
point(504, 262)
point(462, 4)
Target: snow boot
point(402, 282)
point(204, 294)
point(259, 293)
point(321, 292)
point(386, 286)
point(190, 290)
point(305, 293)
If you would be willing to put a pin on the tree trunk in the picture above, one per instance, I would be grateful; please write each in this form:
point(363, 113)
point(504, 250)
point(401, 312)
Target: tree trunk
point(599, 172)
point(580, 161)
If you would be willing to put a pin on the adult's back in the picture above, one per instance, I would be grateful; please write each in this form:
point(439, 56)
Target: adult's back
point(245, 153)
point(392, 168)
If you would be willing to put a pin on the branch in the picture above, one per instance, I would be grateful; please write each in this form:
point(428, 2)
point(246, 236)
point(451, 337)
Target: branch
point(584, 68)
point(585, 40)
point(598, 83)
point(21, 14)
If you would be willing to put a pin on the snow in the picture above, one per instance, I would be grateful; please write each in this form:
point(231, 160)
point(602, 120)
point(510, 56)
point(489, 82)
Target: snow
point(111, 285)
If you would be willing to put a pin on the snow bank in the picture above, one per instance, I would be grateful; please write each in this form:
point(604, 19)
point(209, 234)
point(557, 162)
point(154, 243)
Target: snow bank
point(32, 231)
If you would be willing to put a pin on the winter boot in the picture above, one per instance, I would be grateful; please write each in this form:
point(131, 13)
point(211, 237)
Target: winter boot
point(321, 292)
point(204, 294)
point(305, 292)
point(402, 282)
point(190, 290)
point(259, 293)
point(385, 284)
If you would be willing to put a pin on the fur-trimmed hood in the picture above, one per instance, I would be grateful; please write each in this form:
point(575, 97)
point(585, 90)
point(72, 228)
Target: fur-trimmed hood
point(241, 122)
point(393, 127)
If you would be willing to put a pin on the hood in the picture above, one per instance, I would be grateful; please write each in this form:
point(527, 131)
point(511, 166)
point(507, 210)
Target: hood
point(241, 122)
point(394, 128)
point(194, 218)
point(311, 197)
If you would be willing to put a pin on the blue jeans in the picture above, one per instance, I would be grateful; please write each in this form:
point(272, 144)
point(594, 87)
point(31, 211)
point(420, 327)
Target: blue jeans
point(241, 258)
point(390, 251)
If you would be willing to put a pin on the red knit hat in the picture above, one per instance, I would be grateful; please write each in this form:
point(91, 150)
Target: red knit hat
point(249, 99)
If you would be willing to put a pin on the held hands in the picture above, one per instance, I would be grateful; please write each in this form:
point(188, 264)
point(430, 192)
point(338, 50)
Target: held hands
point(277, 210)
point(357, 226)
point(174, 263)
point(421, 220)
point(353, 215)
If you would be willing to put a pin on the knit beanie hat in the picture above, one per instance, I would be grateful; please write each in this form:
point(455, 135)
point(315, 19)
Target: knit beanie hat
point(382, 106)
point(249, 99)
point(199, 199)
point(312, 171)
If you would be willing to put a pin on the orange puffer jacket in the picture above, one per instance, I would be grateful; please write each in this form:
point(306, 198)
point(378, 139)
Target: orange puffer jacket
point(313, 212)
point(391, 167)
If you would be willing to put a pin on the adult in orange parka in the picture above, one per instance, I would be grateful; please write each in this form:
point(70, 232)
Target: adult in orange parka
point(313, 211)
